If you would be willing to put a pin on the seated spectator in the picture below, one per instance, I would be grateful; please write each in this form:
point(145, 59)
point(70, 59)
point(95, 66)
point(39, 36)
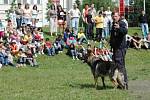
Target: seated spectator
point(21, 59)
point(32, 47)
point(10, 59)
point(61, 41)
point(148, 40)
point(66, 34)
point(57, 46)
point(73, 51)
point(81, 37)
point(49, 47)
point(71, 40)
point(14, 48)
point(40, 32)
point(81, 52)
point(136, 41)
point(38, 41)
point(2, 30)
point(3, 57)
point(31, 59)
point(14, 36)
point(20, 31)
point(9, 27)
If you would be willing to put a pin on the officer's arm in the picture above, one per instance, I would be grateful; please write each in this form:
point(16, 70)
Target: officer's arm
point(122, 29)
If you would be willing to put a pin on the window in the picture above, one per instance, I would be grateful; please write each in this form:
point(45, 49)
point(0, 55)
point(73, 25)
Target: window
point(38, 2)
point(10, 1)
point(32, 1)
point(1, 2)
point(24, 1)
point(19, 1)
point(5, 1)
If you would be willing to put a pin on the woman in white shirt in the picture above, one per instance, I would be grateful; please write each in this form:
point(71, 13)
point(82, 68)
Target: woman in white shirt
point(26, 14)
point(74, 16)
point(52, 13)
point(34, 15)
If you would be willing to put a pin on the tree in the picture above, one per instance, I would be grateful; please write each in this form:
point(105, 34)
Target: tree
point(48, 7)
point(100, 3)
point(11, 10)
point(138, 6)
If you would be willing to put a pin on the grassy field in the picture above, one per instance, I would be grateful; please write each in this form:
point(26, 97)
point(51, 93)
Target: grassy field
point(61, 78)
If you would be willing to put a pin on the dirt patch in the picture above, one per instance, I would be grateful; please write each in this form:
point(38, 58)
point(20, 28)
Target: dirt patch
point(140, 89)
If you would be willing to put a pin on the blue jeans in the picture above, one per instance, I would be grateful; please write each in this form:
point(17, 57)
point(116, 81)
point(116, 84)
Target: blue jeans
point(26, 20)
point(105, 32)
point(75, 24)
point(19, 22)
point(22, 60)
point(145, 29)
point(73, 52)
point(4, 60)
point(51, 51)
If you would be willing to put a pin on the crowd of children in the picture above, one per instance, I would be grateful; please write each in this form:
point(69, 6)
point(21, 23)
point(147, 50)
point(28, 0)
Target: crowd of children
point(20, 46)
point(26, 42)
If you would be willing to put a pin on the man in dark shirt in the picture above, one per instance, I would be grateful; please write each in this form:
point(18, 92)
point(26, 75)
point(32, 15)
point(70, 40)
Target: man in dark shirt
point(144, 24)
point(89, 22)
point(118, 45)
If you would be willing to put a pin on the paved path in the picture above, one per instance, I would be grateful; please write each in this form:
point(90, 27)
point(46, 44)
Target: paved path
point(140, 89)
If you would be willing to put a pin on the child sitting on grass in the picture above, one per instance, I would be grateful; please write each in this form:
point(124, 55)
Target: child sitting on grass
point(73, 51)
point(81, 37)
point(21, 59)
point(30, 58)
point(49, 47)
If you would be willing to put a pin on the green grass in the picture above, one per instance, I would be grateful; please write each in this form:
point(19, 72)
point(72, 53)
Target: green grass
point(61, 78)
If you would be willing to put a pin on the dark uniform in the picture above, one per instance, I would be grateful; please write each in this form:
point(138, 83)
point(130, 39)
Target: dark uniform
point(118, 45)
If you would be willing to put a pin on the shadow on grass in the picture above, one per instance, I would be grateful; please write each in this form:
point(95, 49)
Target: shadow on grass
point(84, 86)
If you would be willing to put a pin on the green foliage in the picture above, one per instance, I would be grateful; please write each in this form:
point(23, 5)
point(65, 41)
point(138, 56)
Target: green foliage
point(138, 7)
point(48, 7)
point(78, 2)
point(12, 8)
point(100, 3)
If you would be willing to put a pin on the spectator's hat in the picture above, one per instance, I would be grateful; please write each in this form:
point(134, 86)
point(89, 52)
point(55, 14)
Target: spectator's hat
point(13, 41)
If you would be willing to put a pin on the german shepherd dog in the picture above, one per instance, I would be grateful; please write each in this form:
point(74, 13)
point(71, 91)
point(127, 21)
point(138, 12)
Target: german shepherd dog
point(100, 68)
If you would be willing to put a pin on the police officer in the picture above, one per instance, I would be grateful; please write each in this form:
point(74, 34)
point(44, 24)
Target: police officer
point(118, 44)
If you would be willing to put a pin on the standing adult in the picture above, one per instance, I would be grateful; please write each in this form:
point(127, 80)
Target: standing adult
point(93, 13)
point(26, 14)
point(61, 17)
point(105, 28)
point(19, 14)
point(108, 13)
point(124, 20)
point(74, 16)
point(118, 45)
point(99, 21)
point(93, 10)
point(34, 15)
point(144, 24)
point(52, 13)
point(84, 15)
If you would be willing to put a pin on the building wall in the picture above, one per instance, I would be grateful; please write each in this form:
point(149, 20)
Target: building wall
point(42, 5)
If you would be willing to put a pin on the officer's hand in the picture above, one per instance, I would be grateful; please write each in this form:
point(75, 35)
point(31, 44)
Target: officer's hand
point(117, 25)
